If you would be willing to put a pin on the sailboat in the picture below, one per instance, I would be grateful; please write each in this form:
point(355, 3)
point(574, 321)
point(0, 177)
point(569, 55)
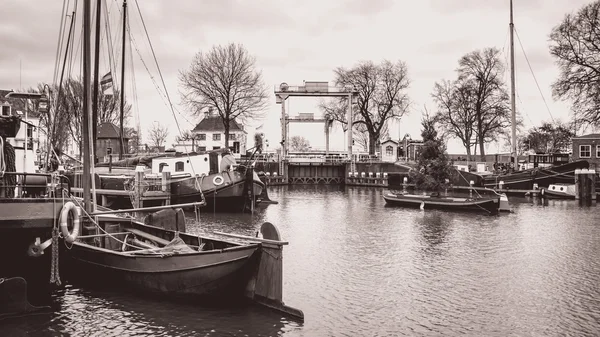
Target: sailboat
point(529, 179)
point(126, 252)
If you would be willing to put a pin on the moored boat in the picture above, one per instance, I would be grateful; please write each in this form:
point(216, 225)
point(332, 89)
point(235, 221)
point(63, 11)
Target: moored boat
point(559, 191)
point(488, 205)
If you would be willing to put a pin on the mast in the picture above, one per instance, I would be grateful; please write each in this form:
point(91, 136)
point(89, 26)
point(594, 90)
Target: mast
point(85, 132)
point(96, 80)
point(513, 116)
point(121, 145)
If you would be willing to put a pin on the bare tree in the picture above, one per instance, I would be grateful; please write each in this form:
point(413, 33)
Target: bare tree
point(157, 135)
point(484, 70)
point(382, 96)
point(299, 144)
point(225, 79)
point(456, 110)
point(575, 43)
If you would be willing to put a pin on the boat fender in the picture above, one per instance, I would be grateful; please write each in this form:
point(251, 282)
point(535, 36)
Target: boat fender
point(64, 217)
point(218, 180)
point(543, 191)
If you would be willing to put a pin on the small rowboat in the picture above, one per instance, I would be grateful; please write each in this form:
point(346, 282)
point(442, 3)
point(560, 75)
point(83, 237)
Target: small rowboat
point(484, 204)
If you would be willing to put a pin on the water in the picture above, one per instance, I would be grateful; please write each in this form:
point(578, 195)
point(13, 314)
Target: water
point(359, 268)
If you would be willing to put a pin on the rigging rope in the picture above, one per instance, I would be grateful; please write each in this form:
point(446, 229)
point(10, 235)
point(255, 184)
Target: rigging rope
point(534, 78)
point(168, 97)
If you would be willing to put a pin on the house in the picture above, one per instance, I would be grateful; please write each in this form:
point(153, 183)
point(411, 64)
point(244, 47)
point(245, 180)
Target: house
point(587, 147)
point(209, 135)
point(389, 151)
point(107, 136)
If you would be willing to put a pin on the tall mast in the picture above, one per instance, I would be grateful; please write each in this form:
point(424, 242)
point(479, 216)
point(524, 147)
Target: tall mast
point(85, 132)
point(121, 145)
point(513, 116)
point(96, 79)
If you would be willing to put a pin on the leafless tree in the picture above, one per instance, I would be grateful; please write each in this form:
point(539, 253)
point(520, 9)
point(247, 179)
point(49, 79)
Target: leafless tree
point(575, 43)
point(225, 79)
point(382, 96)
point(158, 134)
point(299, 144)
point(483, 69)
point(456, 110)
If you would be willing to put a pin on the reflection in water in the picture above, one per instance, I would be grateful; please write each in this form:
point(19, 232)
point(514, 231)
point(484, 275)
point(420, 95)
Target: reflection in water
point(357, 268)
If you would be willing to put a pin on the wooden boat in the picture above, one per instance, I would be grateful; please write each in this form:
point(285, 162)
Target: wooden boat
point(559, 191)
point(542, 176)
point(214, 175)
point(488, 205)
point(140, 257)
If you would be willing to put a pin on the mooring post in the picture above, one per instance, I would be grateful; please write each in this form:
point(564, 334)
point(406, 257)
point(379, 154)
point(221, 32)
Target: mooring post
point(585, 184)
point(166, 183)
point(404, 181)
point(471, 188)
point(138, 181)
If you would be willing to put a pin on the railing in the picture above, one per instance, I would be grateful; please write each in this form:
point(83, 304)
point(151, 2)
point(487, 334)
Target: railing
point(313, 89)
point(43, 185)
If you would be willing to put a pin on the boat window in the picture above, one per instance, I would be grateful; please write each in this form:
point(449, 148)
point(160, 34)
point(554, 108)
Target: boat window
point(597, 151)
point(585, 151)
point(179, 166)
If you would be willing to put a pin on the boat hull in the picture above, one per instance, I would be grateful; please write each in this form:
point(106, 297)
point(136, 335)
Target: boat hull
point(216, 274)
point(485, 205)
point(22, 221)
point(543, 177)
point(559, 191)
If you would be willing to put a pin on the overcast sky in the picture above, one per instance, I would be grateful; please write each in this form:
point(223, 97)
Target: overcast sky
point(301, 40)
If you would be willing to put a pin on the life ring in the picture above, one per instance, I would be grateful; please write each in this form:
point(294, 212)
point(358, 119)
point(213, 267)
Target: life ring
point(218, 180)
point(64, 217)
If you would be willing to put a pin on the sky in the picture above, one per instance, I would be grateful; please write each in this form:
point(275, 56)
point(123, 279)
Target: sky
point(296, 41)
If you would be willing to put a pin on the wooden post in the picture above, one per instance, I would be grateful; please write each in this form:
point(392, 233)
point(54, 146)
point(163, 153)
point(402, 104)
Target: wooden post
point(471, 188)
point(404, 181)
point(166, 183)
point(139, 178)
point(585, 184)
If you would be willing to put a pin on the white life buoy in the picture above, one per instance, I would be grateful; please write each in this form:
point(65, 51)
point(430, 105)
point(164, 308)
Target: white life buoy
point(218, 180)
point(64, 217)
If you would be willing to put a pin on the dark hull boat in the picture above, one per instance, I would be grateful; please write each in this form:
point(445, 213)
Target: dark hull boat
point(542, 176)
point(154, 260)
point(488, 205)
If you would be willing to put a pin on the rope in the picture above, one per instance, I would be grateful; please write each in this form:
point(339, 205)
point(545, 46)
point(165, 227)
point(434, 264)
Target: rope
point(54, 268)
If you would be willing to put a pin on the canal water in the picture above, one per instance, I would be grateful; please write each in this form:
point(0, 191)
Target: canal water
point(359, 268)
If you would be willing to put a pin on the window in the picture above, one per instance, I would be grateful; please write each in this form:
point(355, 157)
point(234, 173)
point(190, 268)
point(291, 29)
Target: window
point(585, 151)
point(389, 150)
point(216, 136)
point(179, 166)
point(6, 110)
point(232, 136)
point(597, 151)
point(29, 131)
point(202, 136)
point(216, 147)
point(201, 148)
point(162, 166)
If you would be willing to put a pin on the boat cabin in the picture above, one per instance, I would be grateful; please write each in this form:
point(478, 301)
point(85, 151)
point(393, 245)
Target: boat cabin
point(194, 164)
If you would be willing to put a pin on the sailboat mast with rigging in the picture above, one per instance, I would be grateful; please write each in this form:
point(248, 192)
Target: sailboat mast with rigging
point(513, 115)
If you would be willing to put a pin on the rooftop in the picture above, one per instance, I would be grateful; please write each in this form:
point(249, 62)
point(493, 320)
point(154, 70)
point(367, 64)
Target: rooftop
point(214, 122)
point(108, 130)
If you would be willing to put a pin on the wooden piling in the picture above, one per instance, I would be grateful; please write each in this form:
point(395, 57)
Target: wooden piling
point(585, 184)
point(166, 186)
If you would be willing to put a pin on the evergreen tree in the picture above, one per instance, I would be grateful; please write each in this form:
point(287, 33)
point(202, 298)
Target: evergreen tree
point(433, 166)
